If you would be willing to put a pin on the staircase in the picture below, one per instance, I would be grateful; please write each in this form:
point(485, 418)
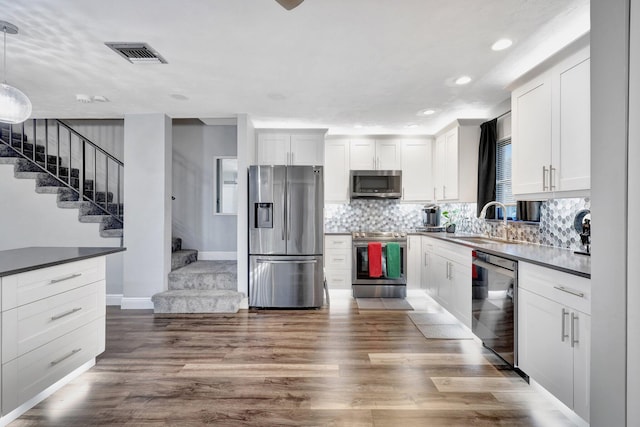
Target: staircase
point(63, 162)
point(198, 286)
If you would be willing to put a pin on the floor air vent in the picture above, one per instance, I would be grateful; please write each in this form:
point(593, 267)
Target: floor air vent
point(137, 53)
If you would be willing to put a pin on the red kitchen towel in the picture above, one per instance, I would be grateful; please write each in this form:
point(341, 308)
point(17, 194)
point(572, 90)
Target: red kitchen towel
point(374, 253)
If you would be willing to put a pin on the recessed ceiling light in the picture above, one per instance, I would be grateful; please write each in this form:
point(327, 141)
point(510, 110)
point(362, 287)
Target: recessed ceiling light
point(463, 80)
point(411, 125)
point(358, 126)
point(179, 96)
point(427, 112)
point(85, 99)
point(100, 98)
point(501, 44)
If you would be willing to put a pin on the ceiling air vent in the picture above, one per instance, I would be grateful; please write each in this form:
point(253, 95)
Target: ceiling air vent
point(137, 53)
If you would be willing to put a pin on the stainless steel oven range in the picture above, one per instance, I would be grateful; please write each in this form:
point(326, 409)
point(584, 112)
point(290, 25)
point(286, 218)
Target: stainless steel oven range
point(386, 285)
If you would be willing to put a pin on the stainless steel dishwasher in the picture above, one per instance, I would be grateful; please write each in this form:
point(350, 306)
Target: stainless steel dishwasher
point(494, 304)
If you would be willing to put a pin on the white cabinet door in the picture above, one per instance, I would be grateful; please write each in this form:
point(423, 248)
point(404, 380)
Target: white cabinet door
point(441, 280)
point(272, 149)
point(336, 171)
point(388, 156)
point(427, 268)
point(439, 166)
point(531, 136)
point(307, 150)
point(581, 363)
point(460, 276)
point(417, 183)
point(362, 154)
point(450, 189)
point(414, 262)
point(572, 156)
point(544, 351)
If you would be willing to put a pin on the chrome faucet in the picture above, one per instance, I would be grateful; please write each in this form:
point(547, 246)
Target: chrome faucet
point(483, 215)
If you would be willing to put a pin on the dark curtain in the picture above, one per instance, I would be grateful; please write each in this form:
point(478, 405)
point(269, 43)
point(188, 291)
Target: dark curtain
point(487, 166)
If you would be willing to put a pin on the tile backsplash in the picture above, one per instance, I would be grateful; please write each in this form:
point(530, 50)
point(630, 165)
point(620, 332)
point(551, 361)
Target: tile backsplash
point(555, 227)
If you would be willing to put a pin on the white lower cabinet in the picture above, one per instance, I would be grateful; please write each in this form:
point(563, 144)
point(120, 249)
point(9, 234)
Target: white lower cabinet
point(554, 332)
point(53, 322)
point(414, 262)
point(337, 261)
point(447, 276)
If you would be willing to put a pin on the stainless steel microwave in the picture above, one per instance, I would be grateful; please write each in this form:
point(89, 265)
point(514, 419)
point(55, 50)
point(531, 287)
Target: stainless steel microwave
point(375, 184)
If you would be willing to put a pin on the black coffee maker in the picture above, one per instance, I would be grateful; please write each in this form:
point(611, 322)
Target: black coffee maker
point(431, 217)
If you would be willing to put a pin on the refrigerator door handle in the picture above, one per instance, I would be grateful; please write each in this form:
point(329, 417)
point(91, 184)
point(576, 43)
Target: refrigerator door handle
point(269, 261)
point(288, 209)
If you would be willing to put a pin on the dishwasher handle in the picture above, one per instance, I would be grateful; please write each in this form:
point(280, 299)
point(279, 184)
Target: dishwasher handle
point(495, 268)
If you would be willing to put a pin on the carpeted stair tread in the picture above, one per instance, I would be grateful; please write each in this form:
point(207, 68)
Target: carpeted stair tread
point(116, 232)
point(176, 244)
point(183, 257)
point(186, 301)
point(205, 275)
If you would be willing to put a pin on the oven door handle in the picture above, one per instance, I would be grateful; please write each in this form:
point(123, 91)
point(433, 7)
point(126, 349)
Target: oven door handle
point(366, 244)
point(495, 268)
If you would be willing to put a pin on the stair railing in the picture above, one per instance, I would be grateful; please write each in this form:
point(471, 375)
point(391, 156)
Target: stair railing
point(91, 178)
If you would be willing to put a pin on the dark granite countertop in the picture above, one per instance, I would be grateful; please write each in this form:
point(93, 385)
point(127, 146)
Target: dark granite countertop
point(15, 261)
point(556, 258)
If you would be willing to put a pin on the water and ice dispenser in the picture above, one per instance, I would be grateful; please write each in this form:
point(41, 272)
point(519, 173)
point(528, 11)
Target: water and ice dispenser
point(263, 215)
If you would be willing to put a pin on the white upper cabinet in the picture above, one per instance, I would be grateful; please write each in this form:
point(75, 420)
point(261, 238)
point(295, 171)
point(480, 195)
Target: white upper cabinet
point(336, 171)
point(417, 181)
point(456, 162)
point(380, 154)
point(551, 137)
point(362, 154)
point(290, 147)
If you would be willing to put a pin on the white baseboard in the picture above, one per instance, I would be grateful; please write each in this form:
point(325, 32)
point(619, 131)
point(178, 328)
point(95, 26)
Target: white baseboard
point(136, 303)
point(217, 255)
point(114, 299)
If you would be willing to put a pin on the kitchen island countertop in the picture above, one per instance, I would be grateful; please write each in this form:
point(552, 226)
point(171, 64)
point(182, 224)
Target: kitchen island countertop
point(14, 261)
point(546, 256)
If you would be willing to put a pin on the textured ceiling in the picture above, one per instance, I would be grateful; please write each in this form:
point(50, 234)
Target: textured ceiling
point(328, 63)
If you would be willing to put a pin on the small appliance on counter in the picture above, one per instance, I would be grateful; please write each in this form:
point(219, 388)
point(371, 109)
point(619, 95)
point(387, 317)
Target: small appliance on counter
point(431, 219)
point(582, 224)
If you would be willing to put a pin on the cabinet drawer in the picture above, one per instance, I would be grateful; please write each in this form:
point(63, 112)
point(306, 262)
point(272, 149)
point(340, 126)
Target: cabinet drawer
point(338, 279)
point(27, 327)
point(29, 374)
point(566, 289)
point(30, 286)
point(454, 252)
point(337, 260)
point(337, 242)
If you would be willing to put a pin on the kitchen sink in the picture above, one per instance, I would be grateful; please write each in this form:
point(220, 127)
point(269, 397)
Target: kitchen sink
point(483, 240)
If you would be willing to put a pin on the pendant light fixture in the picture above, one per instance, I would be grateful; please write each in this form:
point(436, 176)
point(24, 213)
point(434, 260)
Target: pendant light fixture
point(15, 107)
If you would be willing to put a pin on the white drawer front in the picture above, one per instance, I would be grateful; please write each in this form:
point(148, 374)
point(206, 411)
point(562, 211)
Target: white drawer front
point(337, 242)
point(30, 286)
point(338, 279)
point(29, 374)
point(566, 289)
point(337, 260)
point(29, 326)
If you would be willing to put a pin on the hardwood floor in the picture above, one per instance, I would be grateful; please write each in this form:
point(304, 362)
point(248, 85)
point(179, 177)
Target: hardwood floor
point(328, 367)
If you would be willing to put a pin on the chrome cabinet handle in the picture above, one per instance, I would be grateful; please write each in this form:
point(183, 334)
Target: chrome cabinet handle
point(434, 193)
point(402, 193)
point(292, 157)
point(55, 362)
point(574, 341)
point(544, 178)
point(551, 170)
point(62, 279)
point(569, 291)
point(444, 192)
point(60, 316)
point(425, 259)
point(374, 162)
point(564, 334)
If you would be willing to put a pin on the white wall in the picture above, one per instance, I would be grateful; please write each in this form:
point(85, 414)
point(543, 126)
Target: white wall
point(147, 216)
point(107, 134)
point(246, 154)
point(28, 218)
point(609, 94)
point(195, 146)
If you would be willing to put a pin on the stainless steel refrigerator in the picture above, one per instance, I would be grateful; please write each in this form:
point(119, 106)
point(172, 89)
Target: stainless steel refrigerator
point(286, 236)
